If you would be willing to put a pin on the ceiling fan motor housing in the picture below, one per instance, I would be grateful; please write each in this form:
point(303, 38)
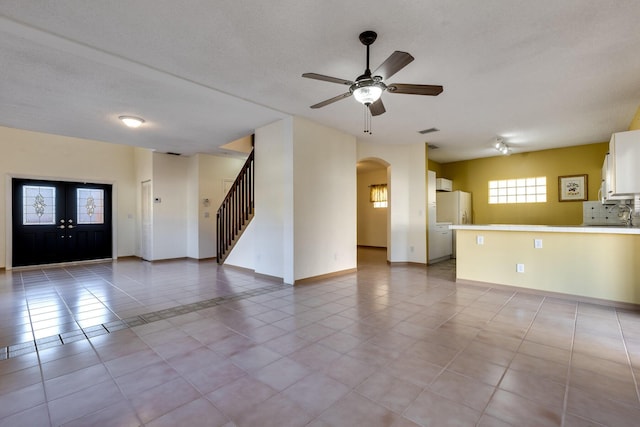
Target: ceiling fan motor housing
point(368, 37)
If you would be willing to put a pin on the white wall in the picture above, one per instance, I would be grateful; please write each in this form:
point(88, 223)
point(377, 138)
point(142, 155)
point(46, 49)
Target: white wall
point(212, 171)
point(372, 222)
point(143, 165)
point(170, 184)
point(305, 219)
point(324, 197)
point(261, 247)
point(183, 226)
point(418, 221)
point(38, 155)
point(180, 228)
point(193, 207)
point(407, 191)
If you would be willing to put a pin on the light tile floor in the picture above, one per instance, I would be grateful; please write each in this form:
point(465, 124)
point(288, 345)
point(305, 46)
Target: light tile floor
point(126, 344)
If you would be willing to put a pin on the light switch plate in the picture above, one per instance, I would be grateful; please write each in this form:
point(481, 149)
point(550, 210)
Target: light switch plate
point(537, 243)
point(480, 240)
point(520, 268)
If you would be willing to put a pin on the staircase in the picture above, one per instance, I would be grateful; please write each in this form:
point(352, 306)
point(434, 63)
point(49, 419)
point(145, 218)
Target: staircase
point(236, 210)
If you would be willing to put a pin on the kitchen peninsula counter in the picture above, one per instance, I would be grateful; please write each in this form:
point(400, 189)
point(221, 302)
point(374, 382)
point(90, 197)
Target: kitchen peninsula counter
point(609, 229)
point(590, 262)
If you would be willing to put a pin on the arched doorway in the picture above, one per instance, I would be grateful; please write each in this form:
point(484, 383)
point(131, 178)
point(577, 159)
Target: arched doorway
point(373, 216)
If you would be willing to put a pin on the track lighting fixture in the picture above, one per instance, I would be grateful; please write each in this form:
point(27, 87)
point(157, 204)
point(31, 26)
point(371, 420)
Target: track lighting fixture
point(501, 146)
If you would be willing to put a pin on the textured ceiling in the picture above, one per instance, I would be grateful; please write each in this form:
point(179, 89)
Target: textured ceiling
point(543, 74)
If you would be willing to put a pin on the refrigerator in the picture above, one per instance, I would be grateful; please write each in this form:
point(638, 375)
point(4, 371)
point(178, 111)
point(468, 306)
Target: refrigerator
point(454, 207)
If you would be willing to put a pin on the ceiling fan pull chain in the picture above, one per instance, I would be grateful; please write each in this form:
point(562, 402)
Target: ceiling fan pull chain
point(367, 119)
point(364, 117)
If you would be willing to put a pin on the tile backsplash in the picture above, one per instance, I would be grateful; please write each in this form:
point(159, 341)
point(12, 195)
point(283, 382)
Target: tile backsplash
point(595, 213)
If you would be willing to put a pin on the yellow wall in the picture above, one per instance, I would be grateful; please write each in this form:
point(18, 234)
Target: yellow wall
point(434, 166)
point(635, 123)
point(474, 175)
point(594, 265)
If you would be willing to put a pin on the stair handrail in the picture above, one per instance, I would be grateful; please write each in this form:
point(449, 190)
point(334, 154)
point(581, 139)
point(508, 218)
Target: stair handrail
point(236, 210)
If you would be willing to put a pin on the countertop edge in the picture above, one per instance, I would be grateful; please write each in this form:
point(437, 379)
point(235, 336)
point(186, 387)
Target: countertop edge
point(549, 228)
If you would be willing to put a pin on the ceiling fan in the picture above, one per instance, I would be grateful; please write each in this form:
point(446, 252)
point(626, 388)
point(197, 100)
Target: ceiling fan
point(368, 87)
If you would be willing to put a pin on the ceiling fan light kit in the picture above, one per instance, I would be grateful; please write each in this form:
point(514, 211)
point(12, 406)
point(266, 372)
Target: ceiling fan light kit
point(369, 87)
point(367, 94)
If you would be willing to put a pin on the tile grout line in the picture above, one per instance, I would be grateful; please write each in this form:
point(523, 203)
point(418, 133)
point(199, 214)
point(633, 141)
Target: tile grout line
point(129, 322)
point(44, 389)
point(515, 354)
point(460, 351)
point(626, 352)
point(568, 381)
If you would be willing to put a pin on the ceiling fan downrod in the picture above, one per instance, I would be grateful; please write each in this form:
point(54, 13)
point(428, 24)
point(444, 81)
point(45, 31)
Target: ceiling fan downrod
point(367, 38)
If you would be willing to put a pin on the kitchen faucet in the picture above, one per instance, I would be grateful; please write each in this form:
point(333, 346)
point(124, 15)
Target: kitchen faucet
point(626, 213)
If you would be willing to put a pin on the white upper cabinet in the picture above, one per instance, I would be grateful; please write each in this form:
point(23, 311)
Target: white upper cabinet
point(621, 169)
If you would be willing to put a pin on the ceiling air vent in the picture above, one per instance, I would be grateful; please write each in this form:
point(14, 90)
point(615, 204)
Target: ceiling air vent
point(432, 147)
point(428, 130)
point(173, 154)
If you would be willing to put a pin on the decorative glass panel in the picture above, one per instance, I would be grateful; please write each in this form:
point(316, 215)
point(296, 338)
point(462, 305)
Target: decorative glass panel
point(38, 205)
point(90, 206)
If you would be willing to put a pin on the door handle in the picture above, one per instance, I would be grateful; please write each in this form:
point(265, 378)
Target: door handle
point(61, 226)
point(70, 226)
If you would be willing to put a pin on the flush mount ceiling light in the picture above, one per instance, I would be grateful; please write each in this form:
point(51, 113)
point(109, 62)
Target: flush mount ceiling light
point(131, 121)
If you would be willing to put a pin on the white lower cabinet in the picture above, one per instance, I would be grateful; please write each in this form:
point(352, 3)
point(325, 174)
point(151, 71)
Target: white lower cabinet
point(440, 241)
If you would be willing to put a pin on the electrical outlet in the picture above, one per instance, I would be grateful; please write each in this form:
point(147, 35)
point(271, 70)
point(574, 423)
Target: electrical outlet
point(537, 243)
point(480, 240)
point(519, 268)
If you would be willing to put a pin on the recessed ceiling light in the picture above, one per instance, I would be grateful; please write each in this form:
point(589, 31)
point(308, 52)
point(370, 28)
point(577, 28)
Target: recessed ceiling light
point(132, 122)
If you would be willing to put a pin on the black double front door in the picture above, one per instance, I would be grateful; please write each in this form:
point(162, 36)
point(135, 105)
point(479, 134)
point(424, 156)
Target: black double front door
point(56, 221)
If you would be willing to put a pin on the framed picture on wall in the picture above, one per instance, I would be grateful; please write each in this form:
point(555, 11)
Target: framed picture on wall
point(572, 188)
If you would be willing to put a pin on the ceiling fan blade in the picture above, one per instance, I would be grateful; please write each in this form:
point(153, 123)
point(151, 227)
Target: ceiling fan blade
point(394, 63)
point(331, 100)
point(330, 79)
point(377, 108)
point(432, 90)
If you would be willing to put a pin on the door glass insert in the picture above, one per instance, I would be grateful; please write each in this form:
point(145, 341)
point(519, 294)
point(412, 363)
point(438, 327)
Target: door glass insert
point(38, 205)
point(90, 206)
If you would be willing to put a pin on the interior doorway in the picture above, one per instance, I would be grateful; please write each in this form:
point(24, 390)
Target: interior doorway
point(59, 221)
point(372, 212)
